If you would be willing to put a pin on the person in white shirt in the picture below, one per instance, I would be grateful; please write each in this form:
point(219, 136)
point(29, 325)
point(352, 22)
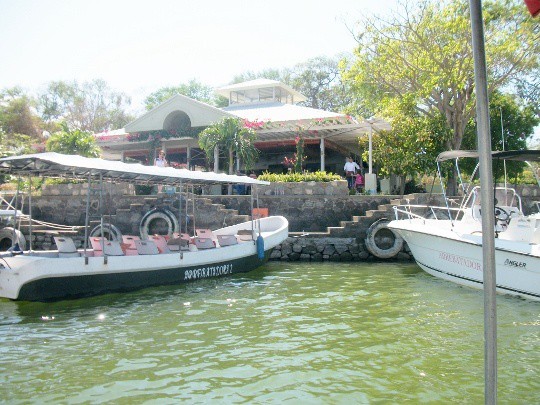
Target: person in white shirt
point(350, 170)
point(160, 161)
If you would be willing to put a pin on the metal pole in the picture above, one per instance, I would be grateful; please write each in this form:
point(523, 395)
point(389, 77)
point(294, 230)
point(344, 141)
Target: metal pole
point(488, 221)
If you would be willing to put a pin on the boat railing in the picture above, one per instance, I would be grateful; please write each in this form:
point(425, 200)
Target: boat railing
point(411, 211)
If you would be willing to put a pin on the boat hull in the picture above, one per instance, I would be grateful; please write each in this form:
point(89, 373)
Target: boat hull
point(38, 277)
point(73, 286)
point(458, 258)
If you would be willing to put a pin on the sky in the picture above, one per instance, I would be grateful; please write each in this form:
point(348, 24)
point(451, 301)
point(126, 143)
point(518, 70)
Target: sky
point(140, 46)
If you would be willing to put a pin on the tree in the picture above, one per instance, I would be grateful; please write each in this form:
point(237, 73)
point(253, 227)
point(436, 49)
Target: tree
point(412, 144)
point(73, 142)
point(282, 75)
point(230, 134)
point(426, 53)
point(518, 123)
point(90, 106)
point(193, 89)
point(14, 144)
point(319, 79)
point(17, 114)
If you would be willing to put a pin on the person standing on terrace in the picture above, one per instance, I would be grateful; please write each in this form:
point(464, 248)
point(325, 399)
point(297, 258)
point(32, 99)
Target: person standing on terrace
point(350, 169)
point(160, 161)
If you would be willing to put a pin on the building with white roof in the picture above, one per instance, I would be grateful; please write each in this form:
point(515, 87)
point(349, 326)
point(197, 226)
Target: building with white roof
point(267, 106)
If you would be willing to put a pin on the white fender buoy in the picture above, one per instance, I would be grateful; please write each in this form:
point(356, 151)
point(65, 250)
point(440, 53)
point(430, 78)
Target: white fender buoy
point(382, 252)
point(158, 213)
point(8, 238)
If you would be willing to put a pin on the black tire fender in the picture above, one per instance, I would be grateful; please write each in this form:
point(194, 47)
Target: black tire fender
point(371, 243)
point(13, 235)
point(158, 213)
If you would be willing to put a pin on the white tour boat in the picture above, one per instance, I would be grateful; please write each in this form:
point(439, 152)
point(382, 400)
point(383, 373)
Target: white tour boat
point(446, 241)
point(109, 265)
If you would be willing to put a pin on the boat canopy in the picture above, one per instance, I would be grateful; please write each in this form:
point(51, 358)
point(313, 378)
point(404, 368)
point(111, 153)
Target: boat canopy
point(520, 155)
point(56, 165)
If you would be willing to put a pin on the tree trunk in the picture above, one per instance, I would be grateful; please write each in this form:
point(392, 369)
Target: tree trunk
point(403, 179)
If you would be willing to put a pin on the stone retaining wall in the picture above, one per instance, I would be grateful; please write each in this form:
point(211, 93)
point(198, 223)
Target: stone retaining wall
point(318, 249)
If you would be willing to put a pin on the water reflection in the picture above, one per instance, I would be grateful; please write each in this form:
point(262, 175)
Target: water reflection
point(314, 333)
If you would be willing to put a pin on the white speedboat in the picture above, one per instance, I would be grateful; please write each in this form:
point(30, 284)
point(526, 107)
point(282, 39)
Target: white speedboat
point(108, 265)
point(446, 241)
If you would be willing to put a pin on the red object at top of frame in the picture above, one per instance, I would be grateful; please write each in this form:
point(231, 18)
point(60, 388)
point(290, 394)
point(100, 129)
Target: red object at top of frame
point(533, 6)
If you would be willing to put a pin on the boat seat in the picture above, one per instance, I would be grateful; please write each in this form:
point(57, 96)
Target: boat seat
point(128, 245)
point(204, 243)
point(244, 235)
point(146, 247)
point(109, 248)
point(205, 233)
point(66, 247)
point(95, 242)
point(112, 248)
point(160, 242)
point(227, 240)
point(179, 241)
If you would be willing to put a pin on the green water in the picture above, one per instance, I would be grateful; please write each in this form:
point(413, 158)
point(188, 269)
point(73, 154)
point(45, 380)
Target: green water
point(286, 333)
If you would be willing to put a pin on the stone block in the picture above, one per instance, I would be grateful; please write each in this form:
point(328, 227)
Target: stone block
point(329, 250)
point(294, 256)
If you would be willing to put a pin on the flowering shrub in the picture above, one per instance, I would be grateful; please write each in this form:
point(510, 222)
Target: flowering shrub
point(298, 177)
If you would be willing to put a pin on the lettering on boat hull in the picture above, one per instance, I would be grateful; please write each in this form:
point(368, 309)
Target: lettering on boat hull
point(208, 271)
point(461, 261)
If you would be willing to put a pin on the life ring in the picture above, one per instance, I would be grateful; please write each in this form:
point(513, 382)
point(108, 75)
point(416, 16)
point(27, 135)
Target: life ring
point(8, 238)
point(384, 249)
point(163, 214)
point(110, 232)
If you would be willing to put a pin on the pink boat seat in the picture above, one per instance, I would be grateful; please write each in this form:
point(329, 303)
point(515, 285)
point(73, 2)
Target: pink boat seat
point(227, 240)
point(205, 233)
point(160, 242)
point(128, 245)
point(179, 241)
point(204, 243)
point(146, 247)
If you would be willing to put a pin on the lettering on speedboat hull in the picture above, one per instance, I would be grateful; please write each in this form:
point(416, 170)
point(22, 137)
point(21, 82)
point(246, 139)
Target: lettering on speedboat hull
point(460, 261)
point(515, 263)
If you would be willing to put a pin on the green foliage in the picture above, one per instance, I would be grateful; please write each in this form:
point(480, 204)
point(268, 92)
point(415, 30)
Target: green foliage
point(231, 135)
point(17, 114)
point(518, 123)
point(424, 52)
point(89, 106)
point(318, 79)
point(73, 142)
point(14, 144)
point(298, 177)
point(193, 89)
point(413, 143)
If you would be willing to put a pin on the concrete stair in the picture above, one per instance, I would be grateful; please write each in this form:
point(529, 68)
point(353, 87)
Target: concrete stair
point(357, 227)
